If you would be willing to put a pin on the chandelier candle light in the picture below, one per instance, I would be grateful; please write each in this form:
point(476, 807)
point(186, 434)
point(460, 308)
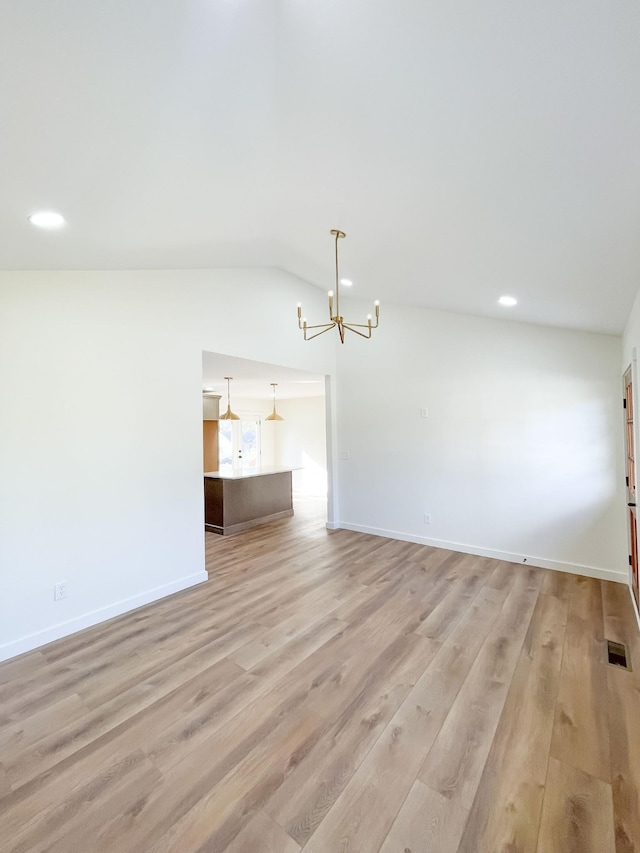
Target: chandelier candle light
point(337, 321)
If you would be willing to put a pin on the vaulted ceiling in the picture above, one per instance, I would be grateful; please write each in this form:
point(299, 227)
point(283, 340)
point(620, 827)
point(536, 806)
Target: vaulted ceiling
point(468, 149)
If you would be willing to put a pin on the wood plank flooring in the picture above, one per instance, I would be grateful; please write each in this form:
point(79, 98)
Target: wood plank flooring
point(332, 692)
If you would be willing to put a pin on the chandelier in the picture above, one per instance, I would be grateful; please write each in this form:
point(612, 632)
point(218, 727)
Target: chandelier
point(337, 321)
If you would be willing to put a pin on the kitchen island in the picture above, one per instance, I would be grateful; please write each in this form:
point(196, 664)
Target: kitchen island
point(237, 499)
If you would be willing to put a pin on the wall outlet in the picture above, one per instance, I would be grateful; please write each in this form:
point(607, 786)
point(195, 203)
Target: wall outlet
point(424, 413)
point(427, 518)
point(60, 590)
point(343, 454)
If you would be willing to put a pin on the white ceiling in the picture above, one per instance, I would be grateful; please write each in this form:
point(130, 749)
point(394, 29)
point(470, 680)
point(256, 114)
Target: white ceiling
point(468, 149)
point(252, 379)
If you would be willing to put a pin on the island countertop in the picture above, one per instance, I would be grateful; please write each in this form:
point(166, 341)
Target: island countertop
point(243, 473)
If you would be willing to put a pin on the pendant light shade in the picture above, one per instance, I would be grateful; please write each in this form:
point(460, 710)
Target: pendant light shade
point(229, 415)
point(274, 416)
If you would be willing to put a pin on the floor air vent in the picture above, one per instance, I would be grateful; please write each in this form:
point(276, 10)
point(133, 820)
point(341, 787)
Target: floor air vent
point(617, 654)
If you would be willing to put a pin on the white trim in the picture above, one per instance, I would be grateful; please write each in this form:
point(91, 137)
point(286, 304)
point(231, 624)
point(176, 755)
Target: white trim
point(539, 562)
point(633, 367)
point(332, 525)
point(94, 617)
point(633, 604)
point(330, 424)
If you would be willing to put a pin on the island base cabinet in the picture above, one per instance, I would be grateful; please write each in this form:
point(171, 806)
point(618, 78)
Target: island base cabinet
point(235, 504)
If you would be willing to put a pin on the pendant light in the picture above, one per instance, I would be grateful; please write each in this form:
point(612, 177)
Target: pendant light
point(274, 416)
point(229, 415)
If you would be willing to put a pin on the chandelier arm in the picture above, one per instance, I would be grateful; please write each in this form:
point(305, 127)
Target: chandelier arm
point(327, 328)
point(302, 326)
point(320, 326)
point(353, 328)
point(368, 325)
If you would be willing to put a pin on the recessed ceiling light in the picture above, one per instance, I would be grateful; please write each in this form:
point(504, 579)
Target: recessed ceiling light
point(346, 282)
point(47, 219)
point(509, 301)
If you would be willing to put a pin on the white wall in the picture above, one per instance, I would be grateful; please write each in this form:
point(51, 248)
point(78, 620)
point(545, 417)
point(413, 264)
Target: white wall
point(631, 335)
point(101, 433)
point(101, 430)
point(520, 456)
point(301, 442)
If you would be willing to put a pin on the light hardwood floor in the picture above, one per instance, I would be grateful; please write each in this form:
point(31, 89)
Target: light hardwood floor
point(332, 692)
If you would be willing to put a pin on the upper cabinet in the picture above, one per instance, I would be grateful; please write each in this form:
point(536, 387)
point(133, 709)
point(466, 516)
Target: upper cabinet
point(210, 407)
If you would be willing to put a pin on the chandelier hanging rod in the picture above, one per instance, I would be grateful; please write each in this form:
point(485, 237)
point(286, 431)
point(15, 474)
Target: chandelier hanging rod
point(337, 320)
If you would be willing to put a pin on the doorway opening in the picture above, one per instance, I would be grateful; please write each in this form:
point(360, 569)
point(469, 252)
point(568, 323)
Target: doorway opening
point(301, 442)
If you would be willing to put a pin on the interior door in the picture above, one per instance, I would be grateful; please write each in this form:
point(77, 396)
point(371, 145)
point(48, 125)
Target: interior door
point(630, 478)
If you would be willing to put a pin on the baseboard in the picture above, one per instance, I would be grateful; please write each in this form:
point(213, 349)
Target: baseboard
point(232, 529)
point(539, 562)
point(94, 617)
